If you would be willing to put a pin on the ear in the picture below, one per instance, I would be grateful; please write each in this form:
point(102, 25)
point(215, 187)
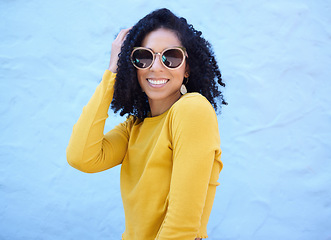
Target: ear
point(187, 71)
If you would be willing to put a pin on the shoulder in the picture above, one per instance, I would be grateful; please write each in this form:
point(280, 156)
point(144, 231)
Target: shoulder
point(194, 107)
point(193, 103)
point(194, 117)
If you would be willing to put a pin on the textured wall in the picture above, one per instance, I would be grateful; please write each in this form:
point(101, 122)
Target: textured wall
point(275, 57)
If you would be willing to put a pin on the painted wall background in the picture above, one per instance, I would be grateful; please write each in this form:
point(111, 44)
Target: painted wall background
point(275, 58)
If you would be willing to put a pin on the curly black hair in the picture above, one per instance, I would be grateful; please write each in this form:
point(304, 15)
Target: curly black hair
point(204, 72)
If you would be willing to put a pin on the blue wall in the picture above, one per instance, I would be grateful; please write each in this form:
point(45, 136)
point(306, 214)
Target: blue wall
point(275, 57)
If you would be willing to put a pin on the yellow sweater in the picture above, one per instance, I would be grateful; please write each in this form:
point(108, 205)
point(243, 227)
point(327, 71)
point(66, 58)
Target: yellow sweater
point(170, 163)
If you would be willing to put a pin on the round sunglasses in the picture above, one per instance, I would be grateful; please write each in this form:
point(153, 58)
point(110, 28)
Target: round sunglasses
point(171, 58)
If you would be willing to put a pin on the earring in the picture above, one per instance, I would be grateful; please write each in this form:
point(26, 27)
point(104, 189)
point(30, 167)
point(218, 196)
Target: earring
point(183, 89)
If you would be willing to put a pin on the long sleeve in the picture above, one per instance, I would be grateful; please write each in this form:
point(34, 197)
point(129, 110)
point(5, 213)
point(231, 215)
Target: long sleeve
point(89, 150)
point(196, 167)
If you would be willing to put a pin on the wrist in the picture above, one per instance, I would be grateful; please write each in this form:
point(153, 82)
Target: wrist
point(112, 68)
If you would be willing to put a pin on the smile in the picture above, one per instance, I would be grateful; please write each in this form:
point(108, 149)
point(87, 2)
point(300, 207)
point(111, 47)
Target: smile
point(158, 81)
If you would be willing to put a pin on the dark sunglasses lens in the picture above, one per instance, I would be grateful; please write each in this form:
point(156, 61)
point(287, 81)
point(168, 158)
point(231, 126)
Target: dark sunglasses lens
point(142, 58)
point(172, 58)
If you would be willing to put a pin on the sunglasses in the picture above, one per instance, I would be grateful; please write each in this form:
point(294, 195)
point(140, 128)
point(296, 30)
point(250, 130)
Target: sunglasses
point(171, 58)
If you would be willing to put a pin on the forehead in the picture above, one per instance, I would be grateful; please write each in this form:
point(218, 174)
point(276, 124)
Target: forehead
point(160, 39)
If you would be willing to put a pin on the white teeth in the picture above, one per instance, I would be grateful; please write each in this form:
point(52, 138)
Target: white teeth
point(157, 82)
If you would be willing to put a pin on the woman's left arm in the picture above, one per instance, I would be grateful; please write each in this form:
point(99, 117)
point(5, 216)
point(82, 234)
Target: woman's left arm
point(196, 145)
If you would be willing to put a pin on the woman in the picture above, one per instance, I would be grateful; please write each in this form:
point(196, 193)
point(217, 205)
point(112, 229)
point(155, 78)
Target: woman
point(169, 146)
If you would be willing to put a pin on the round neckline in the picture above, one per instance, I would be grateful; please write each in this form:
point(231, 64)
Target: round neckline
point(158, 117)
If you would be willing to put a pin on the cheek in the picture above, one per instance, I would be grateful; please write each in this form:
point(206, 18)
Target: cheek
point(138, 74)
point(140, 77)
point(180, 74)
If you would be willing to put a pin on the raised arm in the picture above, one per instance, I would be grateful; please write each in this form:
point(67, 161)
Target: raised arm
point(89, 150)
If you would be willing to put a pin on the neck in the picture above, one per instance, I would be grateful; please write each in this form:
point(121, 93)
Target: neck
point(160, 106)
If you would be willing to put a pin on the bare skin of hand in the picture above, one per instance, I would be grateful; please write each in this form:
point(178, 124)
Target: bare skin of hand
point(116, 49)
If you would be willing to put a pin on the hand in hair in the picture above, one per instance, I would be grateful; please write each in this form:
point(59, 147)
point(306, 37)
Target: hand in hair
point(116, 49)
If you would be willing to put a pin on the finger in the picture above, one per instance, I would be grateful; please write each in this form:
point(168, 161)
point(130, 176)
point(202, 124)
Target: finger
point(122, 34)
point(127, 32)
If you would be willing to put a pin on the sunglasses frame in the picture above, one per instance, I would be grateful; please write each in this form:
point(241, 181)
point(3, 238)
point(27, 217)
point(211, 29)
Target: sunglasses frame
point(181, 49)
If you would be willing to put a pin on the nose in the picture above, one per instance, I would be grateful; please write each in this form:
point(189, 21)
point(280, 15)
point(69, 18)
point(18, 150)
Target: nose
point(157, 65)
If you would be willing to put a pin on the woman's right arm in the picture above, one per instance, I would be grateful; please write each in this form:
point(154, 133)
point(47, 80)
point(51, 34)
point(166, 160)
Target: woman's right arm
point(89, 150)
